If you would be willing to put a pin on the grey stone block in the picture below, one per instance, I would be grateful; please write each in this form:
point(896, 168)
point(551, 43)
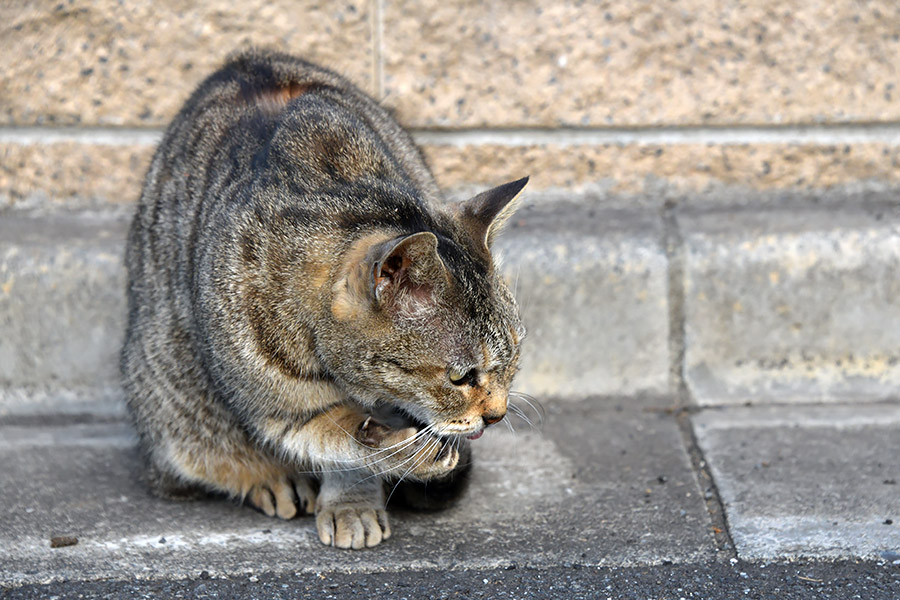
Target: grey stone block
point(592, 286)
point(61, 308)
point(807, 481)
point(586, 490)
point(792, 305)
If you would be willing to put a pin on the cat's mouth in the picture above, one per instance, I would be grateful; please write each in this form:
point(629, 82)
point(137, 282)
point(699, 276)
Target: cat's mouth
point(399, 418)
point(447, 435)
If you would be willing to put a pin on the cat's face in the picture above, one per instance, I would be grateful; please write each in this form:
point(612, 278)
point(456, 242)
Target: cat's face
point(427, 325)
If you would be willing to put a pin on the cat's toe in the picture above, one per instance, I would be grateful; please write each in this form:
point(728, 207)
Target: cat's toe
point(447, 457)
point(444, 456)
point(306, 495)
point(352, 527)
point(376, 525)
point(278, 498)
point(261, 498)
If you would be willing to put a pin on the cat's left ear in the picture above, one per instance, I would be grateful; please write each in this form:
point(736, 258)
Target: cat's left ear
point(486, 214)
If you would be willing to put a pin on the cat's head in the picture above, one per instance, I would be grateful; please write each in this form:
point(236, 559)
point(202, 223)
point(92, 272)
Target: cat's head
point(424, 322)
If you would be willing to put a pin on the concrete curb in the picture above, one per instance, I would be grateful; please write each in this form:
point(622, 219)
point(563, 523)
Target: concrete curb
point(793, 304)
point(789, 304)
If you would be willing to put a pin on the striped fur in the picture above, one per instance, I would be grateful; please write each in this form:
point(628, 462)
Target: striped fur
point(298, 293)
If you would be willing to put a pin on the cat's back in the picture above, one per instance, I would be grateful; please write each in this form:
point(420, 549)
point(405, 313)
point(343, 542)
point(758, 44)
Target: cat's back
point(263, 119)
point(268, 111)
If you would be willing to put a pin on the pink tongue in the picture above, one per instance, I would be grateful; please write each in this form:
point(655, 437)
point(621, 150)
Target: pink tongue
point(475, 436)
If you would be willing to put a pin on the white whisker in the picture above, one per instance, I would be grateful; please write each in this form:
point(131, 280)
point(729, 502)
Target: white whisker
point(521, 414)
point(534, 417)
point(508, 423)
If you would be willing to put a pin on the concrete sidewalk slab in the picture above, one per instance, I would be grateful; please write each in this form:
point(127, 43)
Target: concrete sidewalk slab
point(797, 304)
point(599, 486)
point(807, 481)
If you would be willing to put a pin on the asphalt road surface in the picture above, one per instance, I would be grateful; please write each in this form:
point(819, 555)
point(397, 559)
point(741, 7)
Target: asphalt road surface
point(845, 580)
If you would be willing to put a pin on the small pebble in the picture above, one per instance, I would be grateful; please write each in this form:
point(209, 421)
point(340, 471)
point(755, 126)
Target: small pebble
point(61, 541)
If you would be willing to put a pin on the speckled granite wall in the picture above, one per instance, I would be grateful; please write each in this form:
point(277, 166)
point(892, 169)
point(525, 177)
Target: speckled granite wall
point(638, 63)
point(456, 66)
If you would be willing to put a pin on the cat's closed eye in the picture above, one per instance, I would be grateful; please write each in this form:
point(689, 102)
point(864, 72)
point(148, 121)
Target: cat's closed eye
point(462, 377)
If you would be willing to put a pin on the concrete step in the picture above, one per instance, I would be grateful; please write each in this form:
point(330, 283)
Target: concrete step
point(795, 304)
point(776, 304)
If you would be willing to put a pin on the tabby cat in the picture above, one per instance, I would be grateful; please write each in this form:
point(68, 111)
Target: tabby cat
point(308, 322)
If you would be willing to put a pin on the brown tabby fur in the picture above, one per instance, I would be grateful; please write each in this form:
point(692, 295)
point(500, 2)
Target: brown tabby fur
point(304, 311)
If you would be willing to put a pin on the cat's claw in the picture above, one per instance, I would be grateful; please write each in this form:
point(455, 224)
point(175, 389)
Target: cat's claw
point(351, 526)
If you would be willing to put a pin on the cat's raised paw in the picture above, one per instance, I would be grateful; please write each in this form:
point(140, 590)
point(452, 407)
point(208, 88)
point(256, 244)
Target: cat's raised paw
point(408, 452)
point(429, 457)
point(349, 526)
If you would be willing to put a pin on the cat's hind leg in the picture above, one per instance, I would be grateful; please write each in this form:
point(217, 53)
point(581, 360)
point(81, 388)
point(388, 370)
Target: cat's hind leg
point(238, 470)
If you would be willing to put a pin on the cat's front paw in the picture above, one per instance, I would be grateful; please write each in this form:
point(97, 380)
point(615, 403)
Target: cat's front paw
point(356, 525)
point(408, 452)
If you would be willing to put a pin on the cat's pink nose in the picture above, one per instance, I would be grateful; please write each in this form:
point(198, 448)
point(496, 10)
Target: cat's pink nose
point(490, 419)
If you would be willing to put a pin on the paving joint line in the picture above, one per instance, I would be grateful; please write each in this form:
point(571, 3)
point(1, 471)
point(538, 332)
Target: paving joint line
point(674, 249)
point(725, 546)
point(821, 134)
point(378, 48)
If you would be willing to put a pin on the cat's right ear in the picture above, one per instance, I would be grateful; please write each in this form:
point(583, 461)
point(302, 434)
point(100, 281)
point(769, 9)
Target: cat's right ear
point(410, 263)
point(401, 275)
